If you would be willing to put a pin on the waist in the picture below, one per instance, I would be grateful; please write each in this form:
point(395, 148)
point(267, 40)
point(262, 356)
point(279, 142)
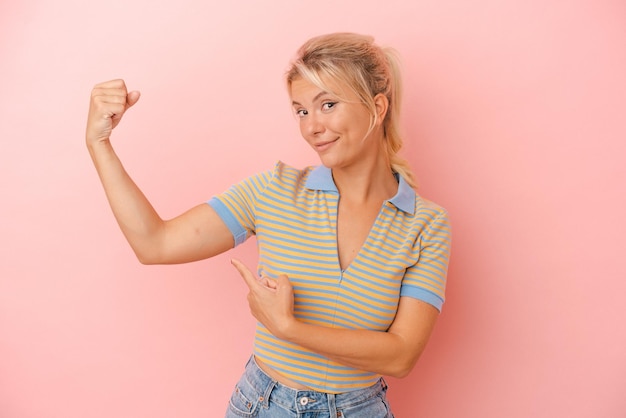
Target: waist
point(299, 368)
point(283, 380)
point(285, 395)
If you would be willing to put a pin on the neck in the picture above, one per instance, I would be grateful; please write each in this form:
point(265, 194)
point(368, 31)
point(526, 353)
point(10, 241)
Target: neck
point(366, 182)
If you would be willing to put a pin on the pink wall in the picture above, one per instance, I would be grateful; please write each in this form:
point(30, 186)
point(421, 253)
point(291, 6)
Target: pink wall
point(516, 122)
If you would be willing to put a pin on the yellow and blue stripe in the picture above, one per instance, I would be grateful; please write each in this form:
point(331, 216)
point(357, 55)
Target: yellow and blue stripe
point(293, 214)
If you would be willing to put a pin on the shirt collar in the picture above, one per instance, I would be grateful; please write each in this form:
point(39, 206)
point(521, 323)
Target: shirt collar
point(321, 178)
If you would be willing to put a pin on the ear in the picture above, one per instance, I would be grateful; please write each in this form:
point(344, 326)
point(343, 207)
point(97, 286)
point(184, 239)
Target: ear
point(382, 106)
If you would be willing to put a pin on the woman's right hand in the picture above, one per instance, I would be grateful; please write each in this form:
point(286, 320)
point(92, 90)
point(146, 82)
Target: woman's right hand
point(197, 234)
point(109, 102)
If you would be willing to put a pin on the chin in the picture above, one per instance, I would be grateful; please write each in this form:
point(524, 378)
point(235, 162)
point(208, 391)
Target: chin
point(328, 161)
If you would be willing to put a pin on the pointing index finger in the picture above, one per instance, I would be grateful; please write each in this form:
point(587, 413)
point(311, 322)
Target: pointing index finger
point(245, 273)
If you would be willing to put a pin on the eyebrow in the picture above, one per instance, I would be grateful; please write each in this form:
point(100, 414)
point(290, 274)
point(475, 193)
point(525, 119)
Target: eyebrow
point(317, 96)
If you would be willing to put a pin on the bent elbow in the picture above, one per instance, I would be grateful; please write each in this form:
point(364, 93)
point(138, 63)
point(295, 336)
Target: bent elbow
point(147, 258)
point(146, 261)
point(400, 372)
point(402, 367)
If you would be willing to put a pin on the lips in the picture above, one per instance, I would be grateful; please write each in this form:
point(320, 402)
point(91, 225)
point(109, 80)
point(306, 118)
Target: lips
point(322, 146)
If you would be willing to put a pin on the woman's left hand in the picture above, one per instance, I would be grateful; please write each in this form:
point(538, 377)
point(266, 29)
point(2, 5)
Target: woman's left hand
point(270, 300)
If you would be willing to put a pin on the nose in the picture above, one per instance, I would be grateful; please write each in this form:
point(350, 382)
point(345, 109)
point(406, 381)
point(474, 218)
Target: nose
point(311, 125)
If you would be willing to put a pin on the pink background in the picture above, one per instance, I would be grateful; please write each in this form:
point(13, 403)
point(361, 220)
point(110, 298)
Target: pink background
point(515, 119)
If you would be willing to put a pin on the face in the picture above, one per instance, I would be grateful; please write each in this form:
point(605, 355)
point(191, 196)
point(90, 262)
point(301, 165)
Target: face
point(336, 129)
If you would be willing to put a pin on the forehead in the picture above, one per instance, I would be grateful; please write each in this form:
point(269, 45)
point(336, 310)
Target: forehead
point(302, 89)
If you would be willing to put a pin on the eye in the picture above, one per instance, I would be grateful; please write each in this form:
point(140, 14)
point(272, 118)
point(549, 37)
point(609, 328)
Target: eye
point(328, 105)
point(301, 112)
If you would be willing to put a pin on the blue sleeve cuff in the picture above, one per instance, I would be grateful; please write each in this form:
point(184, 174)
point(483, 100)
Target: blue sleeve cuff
point(238, 231)
point(423, 295)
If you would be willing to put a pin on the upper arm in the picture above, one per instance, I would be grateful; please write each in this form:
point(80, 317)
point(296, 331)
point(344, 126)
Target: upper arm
point(426, 279)
point(202, 232)
point(423, 288)
point(194, 235)
point(413, 324)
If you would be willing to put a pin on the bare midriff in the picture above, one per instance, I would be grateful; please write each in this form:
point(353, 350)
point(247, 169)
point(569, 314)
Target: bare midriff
point(279, 377)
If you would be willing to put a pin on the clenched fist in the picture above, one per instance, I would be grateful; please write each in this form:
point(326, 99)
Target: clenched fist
point(109, 102)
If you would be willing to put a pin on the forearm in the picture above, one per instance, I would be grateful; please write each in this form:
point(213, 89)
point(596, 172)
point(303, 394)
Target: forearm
point(374, 351)
point(393, 352)
point(136, 217)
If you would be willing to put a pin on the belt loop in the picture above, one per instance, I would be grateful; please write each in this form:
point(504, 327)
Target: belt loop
point(332, 408)
point(265, 398)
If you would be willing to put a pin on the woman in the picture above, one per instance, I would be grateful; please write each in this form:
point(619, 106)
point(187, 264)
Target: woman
point(352, 262)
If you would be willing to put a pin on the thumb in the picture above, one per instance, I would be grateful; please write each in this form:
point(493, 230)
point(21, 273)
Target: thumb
point(283, 281)
point(132, 98)
point(268, 283)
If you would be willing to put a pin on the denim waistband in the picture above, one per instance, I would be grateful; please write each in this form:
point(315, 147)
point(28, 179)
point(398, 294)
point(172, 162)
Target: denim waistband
point(301, 401)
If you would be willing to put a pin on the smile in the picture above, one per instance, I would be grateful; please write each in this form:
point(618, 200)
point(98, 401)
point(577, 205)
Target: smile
point(323, 146)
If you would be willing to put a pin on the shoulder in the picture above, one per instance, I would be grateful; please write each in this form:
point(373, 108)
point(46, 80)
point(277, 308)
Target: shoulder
point(286, 175)
point(424, 206)
point(280, 174)
point(283, 169)
point(434, 221)
point(431, 216)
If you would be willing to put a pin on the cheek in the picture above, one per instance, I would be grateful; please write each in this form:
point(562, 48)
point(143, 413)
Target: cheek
point(301, 127)
point(304, 132)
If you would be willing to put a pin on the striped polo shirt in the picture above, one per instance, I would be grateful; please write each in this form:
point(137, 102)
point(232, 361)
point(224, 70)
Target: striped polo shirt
point(293, 214)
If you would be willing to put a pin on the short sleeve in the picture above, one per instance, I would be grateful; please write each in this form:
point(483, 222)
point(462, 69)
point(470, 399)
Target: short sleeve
point(426, 279)
point(237, 205)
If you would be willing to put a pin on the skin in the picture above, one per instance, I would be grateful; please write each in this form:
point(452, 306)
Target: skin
point(195, 235)
point(338, 131)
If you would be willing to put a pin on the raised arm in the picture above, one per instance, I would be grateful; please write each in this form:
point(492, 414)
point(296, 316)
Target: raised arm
point(196, 234)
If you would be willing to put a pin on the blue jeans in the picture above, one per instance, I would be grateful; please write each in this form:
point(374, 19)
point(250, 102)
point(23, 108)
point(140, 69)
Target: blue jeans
point(258, 395)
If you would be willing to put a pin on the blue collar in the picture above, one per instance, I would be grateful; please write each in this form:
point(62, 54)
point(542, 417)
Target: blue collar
point(321, 178)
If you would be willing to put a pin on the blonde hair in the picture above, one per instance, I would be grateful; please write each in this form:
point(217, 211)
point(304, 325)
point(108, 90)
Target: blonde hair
point(367, 70)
